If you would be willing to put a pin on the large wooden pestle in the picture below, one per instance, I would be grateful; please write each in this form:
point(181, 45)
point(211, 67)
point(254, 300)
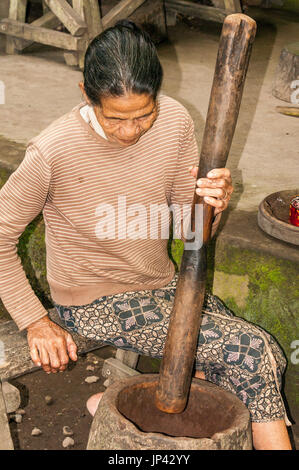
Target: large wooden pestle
point(234, 51)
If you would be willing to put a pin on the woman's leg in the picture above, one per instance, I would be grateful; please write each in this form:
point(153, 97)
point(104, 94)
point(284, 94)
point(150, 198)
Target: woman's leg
point(242, 358)
point(266, 436)
point(231, 352)
point(271, 436)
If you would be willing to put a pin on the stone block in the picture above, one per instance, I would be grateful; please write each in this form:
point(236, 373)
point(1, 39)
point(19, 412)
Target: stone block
point(5, 436)
point(12, 397)
point(231, 285)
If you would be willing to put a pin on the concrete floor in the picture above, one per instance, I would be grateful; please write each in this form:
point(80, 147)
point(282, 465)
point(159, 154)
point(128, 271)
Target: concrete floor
point(39, 88)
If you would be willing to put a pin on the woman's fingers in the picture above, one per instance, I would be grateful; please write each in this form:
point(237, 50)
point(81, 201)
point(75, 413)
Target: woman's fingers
point(45, 359)
point(50, 346)
point(220, 193)
point(63, 357)
point(71, 347)
point(35, 356)
point(216, 188)
point(219, 173)
point(215, 173)
point(217, 203)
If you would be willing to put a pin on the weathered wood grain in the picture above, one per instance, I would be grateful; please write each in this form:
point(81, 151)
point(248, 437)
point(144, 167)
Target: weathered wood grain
point(286, 80)
point(17, 11)
point(234, 50)
point(288, 110)
point(42, 35)
point(121, 11)
point(68, 16)
point(233, 6)
point(194, 9)
point(48, 20)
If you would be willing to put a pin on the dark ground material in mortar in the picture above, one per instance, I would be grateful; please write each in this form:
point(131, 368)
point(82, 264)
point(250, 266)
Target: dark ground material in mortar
point(202, 418)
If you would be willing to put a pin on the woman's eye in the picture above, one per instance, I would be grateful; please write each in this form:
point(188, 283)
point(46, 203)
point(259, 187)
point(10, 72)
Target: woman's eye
point(112, 122)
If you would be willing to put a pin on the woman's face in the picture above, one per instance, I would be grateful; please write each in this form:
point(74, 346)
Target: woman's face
point(125, 119)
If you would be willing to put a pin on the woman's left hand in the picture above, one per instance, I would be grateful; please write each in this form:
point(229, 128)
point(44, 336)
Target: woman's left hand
point(216, 188)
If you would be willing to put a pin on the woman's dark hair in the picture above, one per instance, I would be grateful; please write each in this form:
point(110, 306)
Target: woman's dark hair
point(119, 60)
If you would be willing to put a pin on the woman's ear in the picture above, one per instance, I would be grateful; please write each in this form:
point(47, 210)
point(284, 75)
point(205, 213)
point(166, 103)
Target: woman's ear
point(81, 86)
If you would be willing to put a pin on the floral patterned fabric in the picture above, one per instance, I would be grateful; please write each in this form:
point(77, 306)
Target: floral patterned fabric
point(233, 353)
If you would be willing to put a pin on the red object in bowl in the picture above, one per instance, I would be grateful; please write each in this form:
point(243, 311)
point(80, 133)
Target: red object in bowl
point(294, 211)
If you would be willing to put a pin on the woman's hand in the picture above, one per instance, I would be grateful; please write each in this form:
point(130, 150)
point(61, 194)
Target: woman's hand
point(50, 346)
point(216, 188)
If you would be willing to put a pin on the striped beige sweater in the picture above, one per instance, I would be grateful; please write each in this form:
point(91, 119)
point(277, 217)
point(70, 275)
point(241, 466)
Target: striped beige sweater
point(69, 173)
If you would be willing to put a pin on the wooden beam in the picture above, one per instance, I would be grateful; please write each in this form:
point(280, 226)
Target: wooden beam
point(72, 57)
point(49, 20)
point(45, 7)
point(78, 6)
point(194, 9)
point(232, 6)
point(94, 25)
point(93, 18)
point(288, 110)
point(42, 35)
point(121, 11)
point(68, 16)
point(17, 11)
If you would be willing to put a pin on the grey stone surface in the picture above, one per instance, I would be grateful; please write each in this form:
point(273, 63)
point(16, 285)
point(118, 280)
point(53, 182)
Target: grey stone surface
point(12, 397)
point(5, 436)
point(110, 430)
point(240, 228)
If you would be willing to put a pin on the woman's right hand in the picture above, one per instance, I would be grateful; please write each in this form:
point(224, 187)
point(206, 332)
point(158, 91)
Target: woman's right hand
point(50, 345)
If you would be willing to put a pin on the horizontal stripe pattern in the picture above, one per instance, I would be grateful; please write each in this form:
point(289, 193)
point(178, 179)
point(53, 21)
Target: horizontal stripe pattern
point(69, 173)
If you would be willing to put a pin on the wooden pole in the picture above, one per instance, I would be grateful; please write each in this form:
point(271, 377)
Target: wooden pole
point(17, 11)
point(237, 36)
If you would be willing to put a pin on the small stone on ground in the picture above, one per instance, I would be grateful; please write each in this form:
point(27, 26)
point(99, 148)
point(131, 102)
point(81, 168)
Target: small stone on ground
point(92, 379)
point(35, 432)
point(67, 431)
point(68, 442)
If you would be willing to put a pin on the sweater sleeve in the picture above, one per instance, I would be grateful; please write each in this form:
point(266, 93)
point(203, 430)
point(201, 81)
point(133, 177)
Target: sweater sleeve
point(184, 184)
point(21, 199)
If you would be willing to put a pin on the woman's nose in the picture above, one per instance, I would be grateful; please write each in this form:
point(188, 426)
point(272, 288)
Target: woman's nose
point(129, 129)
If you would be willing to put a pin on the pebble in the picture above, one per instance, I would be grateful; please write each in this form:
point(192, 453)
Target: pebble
point(20, 412)
point(90, 368)
point(18, 418)
point(92, 358)
point(35, 432)
point(68, 442)
point(92, 379)
point(48, 400)
point(67, 431)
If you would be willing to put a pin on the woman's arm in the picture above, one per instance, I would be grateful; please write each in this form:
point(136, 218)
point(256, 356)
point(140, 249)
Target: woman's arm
point(22, 198)
point(216, 189)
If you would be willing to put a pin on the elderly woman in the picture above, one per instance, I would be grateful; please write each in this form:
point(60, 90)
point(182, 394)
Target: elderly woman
point(127, 149)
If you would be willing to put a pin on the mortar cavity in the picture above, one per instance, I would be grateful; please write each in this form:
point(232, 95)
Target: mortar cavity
point(207, 412)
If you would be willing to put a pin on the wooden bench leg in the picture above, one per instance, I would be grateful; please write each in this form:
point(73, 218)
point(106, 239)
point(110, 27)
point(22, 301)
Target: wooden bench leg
point(120, 367)
point(92, 17)
point(17, 11)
